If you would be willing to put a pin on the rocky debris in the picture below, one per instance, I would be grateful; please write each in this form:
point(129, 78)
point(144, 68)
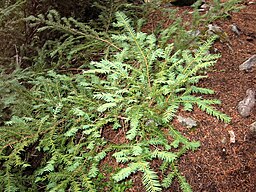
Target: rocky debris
point(216, 30)
point(204, 6)
point(245, 106)
point(248, 64)
point(253, 128)
point(251, 3)
point(235, 29)
point(195, 33)
point(224, 140)
point(187, 121)
point(151, 122)
point(251, 134)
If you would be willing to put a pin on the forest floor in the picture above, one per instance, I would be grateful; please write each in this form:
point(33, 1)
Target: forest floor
point(219, 165)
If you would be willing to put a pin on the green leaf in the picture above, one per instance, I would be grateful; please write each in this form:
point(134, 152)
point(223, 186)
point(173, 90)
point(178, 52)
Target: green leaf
point(134, 125)
point(106, 106)
point(184, 185)
point(127, 171)
point(150, 179)
point(167, 181)
point(165, 156)
point(169, 113)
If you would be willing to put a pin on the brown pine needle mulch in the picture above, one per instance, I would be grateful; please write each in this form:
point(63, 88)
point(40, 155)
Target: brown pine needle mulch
point(219, 165)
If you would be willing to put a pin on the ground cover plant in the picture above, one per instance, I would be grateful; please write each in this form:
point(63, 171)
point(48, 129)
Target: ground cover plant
point(53, 140)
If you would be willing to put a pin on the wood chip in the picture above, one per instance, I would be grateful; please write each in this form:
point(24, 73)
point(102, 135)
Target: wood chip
point(232, 136)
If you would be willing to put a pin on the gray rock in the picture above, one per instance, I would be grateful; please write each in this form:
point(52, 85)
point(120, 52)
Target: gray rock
point(253, 128)
point(248, 64)
point(194, 33)
point(251, 134)
point(187, 121)
point(204, 6)
point(150, 122)
point(235, 29)
point(214, 29)
point(245, 106)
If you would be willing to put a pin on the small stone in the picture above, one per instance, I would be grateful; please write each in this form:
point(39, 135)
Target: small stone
point(251, 3)
point(235, 29)
point(204, 6)
point(187, 121)
point(224, 140)
point(248, 64)
point(151, 122)
point(194, 33)
point(245, 106)
point(251, 134)
point(232, 136)
point(253, 128)
point(214, 29)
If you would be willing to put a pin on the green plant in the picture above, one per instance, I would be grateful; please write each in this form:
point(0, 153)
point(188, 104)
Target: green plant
point(136, 90)
point(105, 182)
point(218, 10)
point(79, 42)
point(10, 93)
point(12, 31)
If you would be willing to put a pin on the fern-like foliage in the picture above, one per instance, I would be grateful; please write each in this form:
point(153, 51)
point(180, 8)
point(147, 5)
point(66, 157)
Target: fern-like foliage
point(79, 41)
point(12, 32)
point(141, 84)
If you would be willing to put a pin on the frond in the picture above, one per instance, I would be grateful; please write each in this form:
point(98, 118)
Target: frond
point(134, 127)
point(122, 156)
point(127, 171)
point(183, 183)
point(100, 156)
point(167, 181)
point(49, 167)
point(178, 137)
point(211, 111)
point(170, 112)
point(195, 89)
point(94, 170)
point(72, 167)
point(75, 186)
point(135, 86)
point(192, 145)
point(164, 155)
point(188, 106)
point(157, 141)
point(137, 150)
point(124, 22)
point(88, 184)
point(150, 179)
point(106, 106)
point(9, 184)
